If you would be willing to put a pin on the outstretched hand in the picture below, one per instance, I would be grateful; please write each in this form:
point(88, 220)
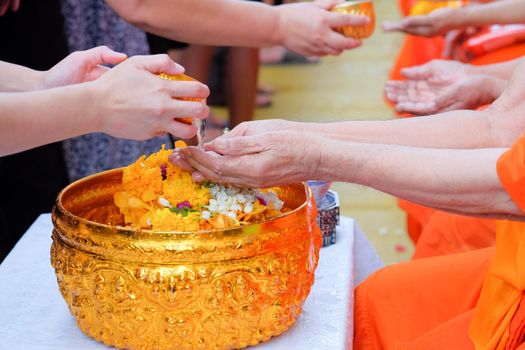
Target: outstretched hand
point(262, 160)
point(441, 86)
point(438, 22)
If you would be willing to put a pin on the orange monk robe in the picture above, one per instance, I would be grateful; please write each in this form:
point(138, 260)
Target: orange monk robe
point(471, 300)
point(446, 233)
point(476, 233)
point(502, 55)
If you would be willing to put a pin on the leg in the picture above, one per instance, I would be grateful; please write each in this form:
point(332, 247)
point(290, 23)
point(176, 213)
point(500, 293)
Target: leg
point(403, 303)
point(242, 73)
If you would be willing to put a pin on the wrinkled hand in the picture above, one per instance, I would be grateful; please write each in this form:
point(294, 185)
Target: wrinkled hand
point(80, 67)
point(438, 22)
point(427, 87)
point(134, 103)
point(5, 5)
point(263, 160)
point(308, 28)
point(422, 97)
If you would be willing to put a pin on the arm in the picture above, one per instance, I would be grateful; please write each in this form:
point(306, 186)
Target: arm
point(19, 78)
point(304, 27)
point(443, 20)
point(460, 181)
point(128, 101)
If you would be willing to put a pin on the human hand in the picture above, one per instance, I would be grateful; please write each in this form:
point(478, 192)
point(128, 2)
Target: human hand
point(131, 101)
point(262, 160)
point(80, 67)
point(416, 94)
point(424, 97)
point(5, 5)
point(308, 28)
point(454, 39)
point(438, 22)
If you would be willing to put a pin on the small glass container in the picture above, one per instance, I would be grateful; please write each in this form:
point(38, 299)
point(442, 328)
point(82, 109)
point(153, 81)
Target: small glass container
point(358, 8)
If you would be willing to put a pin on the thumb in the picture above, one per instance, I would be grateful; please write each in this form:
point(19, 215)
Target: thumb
point(157, 64)
point(235, 146)
point(103, 55)
point(417, 72)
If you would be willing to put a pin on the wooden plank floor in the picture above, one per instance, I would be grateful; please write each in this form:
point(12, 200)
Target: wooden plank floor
point(348, 87)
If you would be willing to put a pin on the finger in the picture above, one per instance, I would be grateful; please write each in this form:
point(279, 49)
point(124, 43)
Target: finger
point(215, 167)
point(103, 55)
point(418, 108)
point(390, 26)
point(198, 177)
point(450, 42)
point(15, 5)
point(186, 109)
point(210, 164)
point(181, 130)
point(421, 72)
point(157, 64)
point(236, 146)
point(338, 42)
point(186, 89)
point(4, 5)
point(177, 160)
point(337, 20)
point(96, 73)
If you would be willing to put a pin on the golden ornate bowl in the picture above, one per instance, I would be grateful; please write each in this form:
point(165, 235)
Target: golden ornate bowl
point(223, 289)
point(361, 8)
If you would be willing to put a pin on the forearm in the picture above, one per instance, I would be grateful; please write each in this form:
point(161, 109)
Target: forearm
point(499, 70)
point(498, 12)
point(32, 119)
point(461, 181)
point(15, 78)
point(457, 129)
point(225, 22)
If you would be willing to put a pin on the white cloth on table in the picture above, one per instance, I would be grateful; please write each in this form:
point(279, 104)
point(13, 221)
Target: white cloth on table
point(33, 315)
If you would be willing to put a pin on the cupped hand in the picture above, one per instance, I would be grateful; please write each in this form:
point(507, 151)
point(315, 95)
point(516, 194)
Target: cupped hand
point(308, 28)
point(262, 160)
point(81, 66)
point(438, 22)
point(425, 83)
point(5, 5)
point(133, 102)
point(423, 97)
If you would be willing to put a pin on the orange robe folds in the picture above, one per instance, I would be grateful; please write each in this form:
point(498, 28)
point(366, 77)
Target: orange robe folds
point(471, 300)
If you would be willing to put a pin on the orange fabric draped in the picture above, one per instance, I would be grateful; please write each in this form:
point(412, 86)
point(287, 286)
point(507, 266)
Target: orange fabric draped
point(467, 232)
point(471, 300)
point(499, 312)
point(416, 50)
point(424, 304)
point(447, 233)
point(504, 54)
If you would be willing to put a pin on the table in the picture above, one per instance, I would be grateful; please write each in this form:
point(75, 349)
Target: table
point(33, 315)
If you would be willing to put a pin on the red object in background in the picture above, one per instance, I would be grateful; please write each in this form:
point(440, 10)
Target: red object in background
point(490, 39)
point(400, 248)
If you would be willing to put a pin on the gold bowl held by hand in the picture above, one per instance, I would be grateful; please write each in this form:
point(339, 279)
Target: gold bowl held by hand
point(222, 289)
point(360, 8)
